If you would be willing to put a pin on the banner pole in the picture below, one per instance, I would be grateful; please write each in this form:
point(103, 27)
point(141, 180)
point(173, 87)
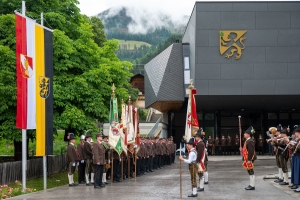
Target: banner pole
point(112, 168)
point(180, 175)
point(44, 157)
point(24, 133)
point(128, 162)
point(240, 129)
point(122, 166)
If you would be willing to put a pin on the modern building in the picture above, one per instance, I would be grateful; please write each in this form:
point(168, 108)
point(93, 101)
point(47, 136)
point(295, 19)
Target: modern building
point(244, 59)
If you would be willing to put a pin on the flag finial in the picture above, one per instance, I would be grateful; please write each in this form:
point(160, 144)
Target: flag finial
point(113, 88)
point(129, 99)
point(191, 84)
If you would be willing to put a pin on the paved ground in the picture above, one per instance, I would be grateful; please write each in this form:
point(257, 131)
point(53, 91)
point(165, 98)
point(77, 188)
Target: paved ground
point(227, 180)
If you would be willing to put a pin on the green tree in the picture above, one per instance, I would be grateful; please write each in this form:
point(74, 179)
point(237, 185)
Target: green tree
point(85, 67)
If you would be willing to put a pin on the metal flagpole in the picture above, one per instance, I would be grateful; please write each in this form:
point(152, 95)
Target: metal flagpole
point(24, 133)
point(122, 166)
point(240, 129)
point(112, 168)
point(128, 162)
point(135, 162)
point(44, 157)
point(180, 175)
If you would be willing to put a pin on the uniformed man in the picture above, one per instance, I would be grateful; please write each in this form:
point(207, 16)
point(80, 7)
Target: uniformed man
point(229, 145)
point(284, 155)
point(161, 152)
point(236, 144)
point(295, 172)
point(139, 160)
point(151, 154)
point(147, 156)
point(210, 145)
point(165, 150)
point(172, 150)
point(88, 158)
point(278, 151)
point(223, 145)
point(98, 161)
point(72, 159)
point(193, 166)
point(107, 157)
point(217, 145)
point(201, 154)
point(260, 144)
point(156, 152)
point(249, 156)
point(81, 167)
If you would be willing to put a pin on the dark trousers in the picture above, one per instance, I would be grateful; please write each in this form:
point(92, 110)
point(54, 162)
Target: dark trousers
point(142, 168)
point(173, 157)
point(217, 150)
point(150, 163)
point(138, 166)
point(260, 150)
point(228, 150)
point(223, 150)
point(98, 174)
point(155, 162)
point(81, 172)
point(237, 150)
point(147, 164)
point(117, 174)
point(209, 149)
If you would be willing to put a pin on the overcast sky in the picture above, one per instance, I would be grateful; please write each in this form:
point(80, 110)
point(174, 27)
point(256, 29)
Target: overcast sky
point(173, 7)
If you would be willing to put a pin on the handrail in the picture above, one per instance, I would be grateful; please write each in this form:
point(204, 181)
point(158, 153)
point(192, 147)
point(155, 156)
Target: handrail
point(154, 129)
point(149, 115)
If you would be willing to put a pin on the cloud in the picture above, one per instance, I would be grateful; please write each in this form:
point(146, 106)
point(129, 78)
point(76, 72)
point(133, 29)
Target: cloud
point(147, 15)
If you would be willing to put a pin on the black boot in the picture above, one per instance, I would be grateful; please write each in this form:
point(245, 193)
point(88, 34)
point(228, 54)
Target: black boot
point(250, 188)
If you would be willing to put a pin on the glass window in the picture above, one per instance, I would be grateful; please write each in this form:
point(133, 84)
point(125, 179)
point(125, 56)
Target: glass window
point(284, 116)
point(209, 131)
point(272, 116)
point(295, 115)
point(186, 63)
point(209, 116)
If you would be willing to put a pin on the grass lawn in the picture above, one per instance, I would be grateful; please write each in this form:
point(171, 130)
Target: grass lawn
point(130, 44)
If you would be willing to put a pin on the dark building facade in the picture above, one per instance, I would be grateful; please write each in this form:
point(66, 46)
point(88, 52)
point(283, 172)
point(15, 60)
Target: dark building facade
point(244, 58)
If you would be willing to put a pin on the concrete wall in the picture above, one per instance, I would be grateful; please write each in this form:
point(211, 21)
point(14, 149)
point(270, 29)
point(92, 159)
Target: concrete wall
point(270, 63)
point(144, 129)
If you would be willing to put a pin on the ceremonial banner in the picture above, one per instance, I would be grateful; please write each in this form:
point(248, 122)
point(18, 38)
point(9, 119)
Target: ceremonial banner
point(123, 129)
point(25, 70)
point(130, 132)
point(114, 129)
point(34, 55)
point(192, 125)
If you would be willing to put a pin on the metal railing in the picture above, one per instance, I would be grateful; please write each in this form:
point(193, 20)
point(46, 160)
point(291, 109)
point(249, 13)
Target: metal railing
point(154, 129)
point(149, 114)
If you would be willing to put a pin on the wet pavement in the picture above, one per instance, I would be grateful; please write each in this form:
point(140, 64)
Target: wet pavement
point(227, 180)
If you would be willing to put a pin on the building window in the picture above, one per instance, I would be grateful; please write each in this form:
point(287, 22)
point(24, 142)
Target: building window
point(272, 116)
point(209, 116)
point(186, 63)
point(284, 116)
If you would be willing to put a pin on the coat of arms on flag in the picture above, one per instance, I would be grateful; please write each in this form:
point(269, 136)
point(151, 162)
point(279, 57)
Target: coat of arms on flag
point(44, 86)
point(234, 40)
point(26, 66)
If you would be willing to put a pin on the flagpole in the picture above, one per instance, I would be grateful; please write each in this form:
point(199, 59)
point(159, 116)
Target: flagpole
point(128, 163)
point(24, 133)
point(122, 167)
point(240, 130)
point(44, 157)
point(112, 168)
point(180, 175)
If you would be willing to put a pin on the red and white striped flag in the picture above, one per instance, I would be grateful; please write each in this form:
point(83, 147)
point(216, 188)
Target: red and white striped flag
point(26, 79)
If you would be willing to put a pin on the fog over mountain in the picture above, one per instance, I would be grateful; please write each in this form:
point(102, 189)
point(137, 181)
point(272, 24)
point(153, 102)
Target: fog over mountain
point(141, 21)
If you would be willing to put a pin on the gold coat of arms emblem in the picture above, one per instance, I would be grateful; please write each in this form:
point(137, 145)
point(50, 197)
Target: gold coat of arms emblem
point(232, 43)
point(44, 85)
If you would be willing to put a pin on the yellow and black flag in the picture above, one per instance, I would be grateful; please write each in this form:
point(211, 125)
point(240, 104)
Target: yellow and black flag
point(44, 90)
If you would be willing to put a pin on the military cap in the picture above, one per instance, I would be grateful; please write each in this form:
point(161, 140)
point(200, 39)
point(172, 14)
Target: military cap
point(250, 130)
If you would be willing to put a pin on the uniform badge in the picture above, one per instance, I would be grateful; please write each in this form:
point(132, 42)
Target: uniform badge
point(234, 40)
point(44, 85)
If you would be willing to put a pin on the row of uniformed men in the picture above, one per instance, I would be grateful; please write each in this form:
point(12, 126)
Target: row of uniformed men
point(287, 147)
point(98, 162)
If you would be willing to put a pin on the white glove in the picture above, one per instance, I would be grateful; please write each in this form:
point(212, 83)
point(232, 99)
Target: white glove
point(120, 159)
point(82, 161)
point(108, 161)
point(73, 164)
point(135, 146)
point(77, 164)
